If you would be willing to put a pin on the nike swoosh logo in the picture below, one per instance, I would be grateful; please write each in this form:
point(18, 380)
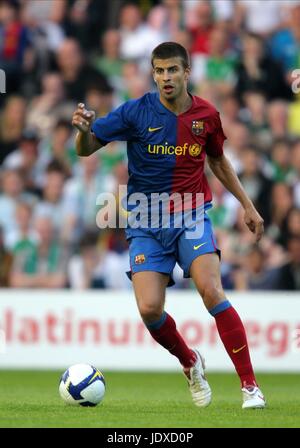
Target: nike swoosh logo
point(154, 129)
point(199, 245)
point(236, 350)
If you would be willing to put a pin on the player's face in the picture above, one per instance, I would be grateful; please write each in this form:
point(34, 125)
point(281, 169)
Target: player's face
point(171, 77)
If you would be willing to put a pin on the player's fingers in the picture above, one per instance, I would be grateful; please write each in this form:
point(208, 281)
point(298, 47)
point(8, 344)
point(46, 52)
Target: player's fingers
point(259, 230)
point(80, 122)
point(89, 114)
point(81, 118)
point(85, 114)
point(250, 225)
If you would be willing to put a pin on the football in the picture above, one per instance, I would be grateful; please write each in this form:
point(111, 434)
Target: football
point(82, 384)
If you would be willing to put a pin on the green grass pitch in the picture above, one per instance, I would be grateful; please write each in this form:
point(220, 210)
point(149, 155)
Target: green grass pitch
point(157, 400)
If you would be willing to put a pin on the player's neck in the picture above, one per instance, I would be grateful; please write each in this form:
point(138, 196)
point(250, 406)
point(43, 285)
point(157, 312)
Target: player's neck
point(178, 105)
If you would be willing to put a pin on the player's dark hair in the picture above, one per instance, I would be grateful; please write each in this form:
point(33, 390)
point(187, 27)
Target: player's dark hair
point(168, 50)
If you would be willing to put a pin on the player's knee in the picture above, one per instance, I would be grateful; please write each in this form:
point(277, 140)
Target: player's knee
point(211, 294)
point(150, 313)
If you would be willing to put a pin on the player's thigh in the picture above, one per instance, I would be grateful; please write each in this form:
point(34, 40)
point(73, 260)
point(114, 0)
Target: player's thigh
point(193, 244)
point(151, 272)
point(205, 272)
point(150, 289)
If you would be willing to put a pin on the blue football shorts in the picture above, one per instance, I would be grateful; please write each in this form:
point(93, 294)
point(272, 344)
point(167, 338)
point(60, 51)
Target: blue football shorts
point(158, 249)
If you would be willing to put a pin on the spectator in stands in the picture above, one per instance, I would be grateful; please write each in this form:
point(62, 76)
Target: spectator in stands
point(203, 15)
point(258, 71)
point(76, 74)
point(41, 264)
point(221, 62)
point(294, 108)
point(96, 267)
point(224, 211)
point(137, 38)
point(85, 20)
point(285, 44)
point(59, 148)
point(115, 154)
point(109, 62)
point(12, 192)
point(6, 260)
point(277, 113)
point(289, 274)
point(275, 255)
point(255, 274)
point(25, 158)
point(82, 191)
point(15, 41)
point(256, 184)
point(184, 38)
point(255, 117)
point(23, 234)
point(61, 210)
point(290, 226)
point(281, 168)
point(293, 222)
point(100, 99)
point(230, 111)
point(53, 11)
point(296, 167)
point(259, 16)
point(238, 138)
point(51, 105)
point(83, 268)
point(280, 205)
point(48, 18)
point(200, 27)
point(12, 119)
point(167, 18)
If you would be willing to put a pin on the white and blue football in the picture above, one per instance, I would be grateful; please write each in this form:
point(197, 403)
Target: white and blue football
point(82, 384)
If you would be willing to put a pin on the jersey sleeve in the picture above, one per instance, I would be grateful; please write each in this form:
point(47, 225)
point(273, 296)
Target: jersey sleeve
point(116, 126)
point(216, 138)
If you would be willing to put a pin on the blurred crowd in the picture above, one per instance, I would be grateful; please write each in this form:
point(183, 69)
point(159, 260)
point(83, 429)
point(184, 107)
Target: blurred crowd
point(56, 53)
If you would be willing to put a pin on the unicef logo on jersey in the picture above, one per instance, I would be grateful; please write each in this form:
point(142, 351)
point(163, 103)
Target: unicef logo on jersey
point(180, 150)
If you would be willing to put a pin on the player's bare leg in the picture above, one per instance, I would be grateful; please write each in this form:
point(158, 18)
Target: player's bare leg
point(150, 301)
point(205, 272)
point(150, 291)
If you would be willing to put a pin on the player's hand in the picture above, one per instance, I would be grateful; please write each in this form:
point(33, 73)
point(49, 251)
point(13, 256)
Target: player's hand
point(254, 222)
point(82, 118)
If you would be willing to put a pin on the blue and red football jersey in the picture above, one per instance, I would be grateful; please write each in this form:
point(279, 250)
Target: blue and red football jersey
point(166, 152)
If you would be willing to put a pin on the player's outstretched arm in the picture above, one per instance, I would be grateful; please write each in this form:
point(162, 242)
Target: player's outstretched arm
point(86, 142)
point(223, 170)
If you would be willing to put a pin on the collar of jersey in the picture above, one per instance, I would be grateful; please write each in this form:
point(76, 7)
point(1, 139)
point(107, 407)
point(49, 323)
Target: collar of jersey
point(163, 110)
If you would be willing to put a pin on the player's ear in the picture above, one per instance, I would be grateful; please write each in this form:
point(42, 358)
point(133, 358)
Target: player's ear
point(153, 74)
point(187, 73)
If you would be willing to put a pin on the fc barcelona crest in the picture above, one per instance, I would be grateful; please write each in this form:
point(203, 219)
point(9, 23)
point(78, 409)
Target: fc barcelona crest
point(197, 127)
point(139, 259)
